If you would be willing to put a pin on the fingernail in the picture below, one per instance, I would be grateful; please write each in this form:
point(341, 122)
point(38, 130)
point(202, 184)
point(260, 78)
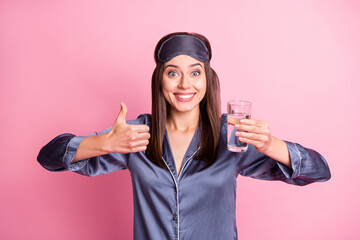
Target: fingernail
point(237, 125)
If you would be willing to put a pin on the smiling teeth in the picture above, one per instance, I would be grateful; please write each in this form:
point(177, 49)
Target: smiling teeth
point(185, 96)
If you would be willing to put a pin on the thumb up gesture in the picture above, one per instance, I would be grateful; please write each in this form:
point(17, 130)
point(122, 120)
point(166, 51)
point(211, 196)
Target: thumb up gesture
point(125, 138)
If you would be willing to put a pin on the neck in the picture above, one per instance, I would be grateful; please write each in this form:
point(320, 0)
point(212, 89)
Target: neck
point(183, 121)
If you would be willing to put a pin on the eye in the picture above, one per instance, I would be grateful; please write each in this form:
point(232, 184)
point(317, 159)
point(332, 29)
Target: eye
point(195, 73)
point(172, 74)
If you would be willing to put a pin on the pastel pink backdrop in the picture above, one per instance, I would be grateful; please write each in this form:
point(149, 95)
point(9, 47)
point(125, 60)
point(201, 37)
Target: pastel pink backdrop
point(66, 65)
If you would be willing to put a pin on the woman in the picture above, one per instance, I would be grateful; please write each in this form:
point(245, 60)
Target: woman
point(183, 176)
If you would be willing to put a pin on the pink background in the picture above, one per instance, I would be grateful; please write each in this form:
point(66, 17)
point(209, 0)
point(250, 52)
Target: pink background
point(66, 65)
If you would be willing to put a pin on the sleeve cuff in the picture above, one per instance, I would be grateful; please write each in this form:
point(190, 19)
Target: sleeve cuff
point(69, 155)
point(295, 158)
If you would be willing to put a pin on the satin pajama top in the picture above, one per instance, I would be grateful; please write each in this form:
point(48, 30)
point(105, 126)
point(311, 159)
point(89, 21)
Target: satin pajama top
point(200, 202)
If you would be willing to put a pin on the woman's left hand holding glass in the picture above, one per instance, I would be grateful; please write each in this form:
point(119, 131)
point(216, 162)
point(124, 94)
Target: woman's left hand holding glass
point(254, 132)
point(257, 133)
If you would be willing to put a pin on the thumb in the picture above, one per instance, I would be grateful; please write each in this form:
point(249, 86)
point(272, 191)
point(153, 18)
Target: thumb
point(121, 118)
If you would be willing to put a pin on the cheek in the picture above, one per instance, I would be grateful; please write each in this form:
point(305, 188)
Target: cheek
point(164, 85)
point(166, 88)
point(201, 86)
point(168, 85)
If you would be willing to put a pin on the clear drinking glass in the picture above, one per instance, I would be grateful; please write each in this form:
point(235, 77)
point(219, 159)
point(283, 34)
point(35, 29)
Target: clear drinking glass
point(236, 110)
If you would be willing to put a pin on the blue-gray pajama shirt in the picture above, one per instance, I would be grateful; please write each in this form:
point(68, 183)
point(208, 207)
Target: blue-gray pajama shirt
point(200, 202)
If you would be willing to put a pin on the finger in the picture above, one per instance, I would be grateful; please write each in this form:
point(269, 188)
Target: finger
point(259, 145)
point(140, 143)
point(143, 136)
point(250, 128)
point(139, 136)
point(137, 149)
point(142, 128)
point(249, 141)
point(253, 136)
point(256, 126)
point(121, 118)
point(250, 122)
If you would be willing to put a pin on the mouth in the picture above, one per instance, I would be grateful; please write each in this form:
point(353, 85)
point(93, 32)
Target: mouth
point(184, 97)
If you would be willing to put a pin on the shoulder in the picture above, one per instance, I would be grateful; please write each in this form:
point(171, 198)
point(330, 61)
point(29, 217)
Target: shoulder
point(223, 121)
point(223, 125)
point(223, 118)
point(141, 119)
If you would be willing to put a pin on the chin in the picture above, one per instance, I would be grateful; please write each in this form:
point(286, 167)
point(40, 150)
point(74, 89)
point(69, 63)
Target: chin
point(185, 108)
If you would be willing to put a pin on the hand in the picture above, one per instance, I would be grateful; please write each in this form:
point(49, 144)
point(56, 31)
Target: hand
point(125, 138)
point(255, 132)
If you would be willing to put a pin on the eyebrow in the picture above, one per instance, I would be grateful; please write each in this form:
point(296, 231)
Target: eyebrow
point(192, 65)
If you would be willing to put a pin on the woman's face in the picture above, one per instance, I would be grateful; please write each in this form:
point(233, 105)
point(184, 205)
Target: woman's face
point(184, 83)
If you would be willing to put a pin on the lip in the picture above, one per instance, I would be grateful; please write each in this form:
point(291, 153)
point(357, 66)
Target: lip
point(180, 96)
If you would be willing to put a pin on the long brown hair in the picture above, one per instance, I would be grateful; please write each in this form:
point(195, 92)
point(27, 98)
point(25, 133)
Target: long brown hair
point(209, 110)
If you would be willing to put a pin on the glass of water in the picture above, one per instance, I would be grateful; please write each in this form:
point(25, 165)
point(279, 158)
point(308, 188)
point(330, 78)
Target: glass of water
point(236, 110)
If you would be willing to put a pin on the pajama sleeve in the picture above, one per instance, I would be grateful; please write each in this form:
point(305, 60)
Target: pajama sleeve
point(307, 166)
point(58, 154)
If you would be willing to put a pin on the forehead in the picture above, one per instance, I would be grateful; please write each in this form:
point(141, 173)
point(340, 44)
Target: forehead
point(183, 61)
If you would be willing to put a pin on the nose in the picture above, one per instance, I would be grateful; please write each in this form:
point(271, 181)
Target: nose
point(184, 82)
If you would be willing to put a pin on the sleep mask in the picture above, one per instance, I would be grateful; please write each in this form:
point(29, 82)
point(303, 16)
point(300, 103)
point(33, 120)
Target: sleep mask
point(183, 45)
